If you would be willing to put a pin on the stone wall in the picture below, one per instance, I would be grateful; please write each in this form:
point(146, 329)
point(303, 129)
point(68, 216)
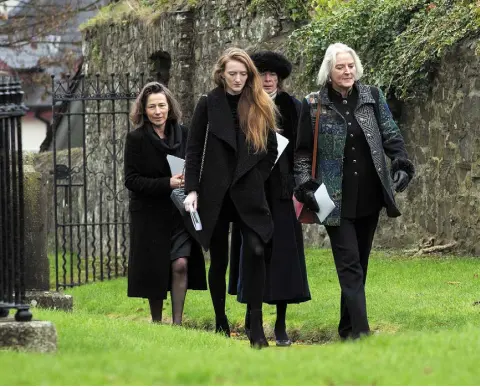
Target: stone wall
point(194, 39)
point(440, 132)
point(442, 136)
point(131, 48)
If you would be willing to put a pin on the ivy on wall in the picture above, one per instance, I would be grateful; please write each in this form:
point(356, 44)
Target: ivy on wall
point(400, 42)
point(297, 10)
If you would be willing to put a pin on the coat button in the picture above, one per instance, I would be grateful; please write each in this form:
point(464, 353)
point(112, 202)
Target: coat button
point(354, 161)
point(355, 173)
point(369, 135)
point(351, 134)
point(353, 148)
point(344, 101)
point(347, 112)
point(379, 169)
point(374, 152)
point(349, 123)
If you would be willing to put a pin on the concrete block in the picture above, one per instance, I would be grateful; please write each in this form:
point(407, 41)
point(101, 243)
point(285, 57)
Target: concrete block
point(35, 336)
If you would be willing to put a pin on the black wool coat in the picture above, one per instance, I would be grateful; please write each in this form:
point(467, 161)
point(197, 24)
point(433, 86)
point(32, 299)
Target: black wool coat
point(229, 168)
point(152, 216)
point(286, 272)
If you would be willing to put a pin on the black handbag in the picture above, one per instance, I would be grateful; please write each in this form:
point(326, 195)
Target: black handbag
point(178, 195)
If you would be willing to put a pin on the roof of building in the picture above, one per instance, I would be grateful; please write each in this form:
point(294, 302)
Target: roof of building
point(30, 58)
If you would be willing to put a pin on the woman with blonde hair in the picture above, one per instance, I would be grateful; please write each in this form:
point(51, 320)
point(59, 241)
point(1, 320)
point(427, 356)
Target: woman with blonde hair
point(231, 150)
point(163, 255)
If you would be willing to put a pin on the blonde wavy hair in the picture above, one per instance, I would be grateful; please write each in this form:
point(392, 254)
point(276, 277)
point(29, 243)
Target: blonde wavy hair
point(257, 112)
point(137, 112)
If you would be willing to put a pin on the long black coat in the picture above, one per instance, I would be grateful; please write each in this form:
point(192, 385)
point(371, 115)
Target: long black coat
point(147, 176)
point(229, 167)
point(286, 273)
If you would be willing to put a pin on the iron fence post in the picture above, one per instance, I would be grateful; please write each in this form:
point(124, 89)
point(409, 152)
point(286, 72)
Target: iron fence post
point(12, 238)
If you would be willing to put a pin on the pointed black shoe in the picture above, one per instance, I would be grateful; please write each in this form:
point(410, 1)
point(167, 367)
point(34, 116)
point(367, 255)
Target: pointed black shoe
point(283, 343)
point(221, 326)
point(282, 339)
point(257, 335)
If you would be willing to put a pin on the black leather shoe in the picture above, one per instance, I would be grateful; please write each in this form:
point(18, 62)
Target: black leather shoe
point(222, 326)
point(283, 343)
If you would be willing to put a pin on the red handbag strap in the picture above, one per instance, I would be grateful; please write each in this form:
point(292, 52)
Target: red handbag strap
point(315, 138)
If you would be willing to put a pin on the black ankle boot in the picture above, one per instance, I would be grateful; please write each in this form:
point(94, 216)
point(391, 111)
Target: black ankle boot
point(221, 326)
point(257, 335)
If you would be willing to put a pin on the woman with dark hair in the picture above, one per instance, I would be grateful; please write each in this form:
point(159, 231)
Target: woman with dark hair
point(231, 150)
point(286, 273)
point(355, 132)
point(163, 255)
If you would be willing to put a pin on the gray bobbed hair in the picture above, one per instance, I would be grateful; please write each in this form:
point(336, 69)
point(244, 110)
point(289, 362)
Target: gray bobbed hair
point(330, 60)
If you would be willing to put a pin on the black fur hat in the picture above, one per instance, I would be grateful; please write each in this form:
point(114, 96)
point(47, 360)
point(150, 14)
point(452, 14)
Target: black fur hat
point(272, 61)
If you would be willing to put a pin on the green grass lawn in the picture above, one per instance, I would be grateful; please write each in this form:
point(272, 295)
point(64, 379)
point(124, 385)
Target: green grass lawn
point(424, 309)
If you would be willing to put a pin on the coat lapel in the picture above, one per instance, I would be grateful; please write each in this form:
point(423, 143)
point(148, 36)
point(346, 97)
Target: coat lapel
point(247, 159)
point(364, 95)
point(365, 114)
point(220, 117)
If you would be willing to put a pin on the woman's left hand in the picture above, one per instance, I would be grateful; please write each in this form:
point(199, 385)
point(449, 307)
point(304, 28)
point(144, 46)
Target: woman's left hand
point(176, 181)
point(400, 181)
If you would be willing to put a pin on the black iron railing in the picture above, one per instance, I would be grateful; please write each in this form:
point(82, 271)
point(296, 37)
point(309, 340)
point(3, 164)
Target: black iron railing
point(90, 121)
point(12, 263)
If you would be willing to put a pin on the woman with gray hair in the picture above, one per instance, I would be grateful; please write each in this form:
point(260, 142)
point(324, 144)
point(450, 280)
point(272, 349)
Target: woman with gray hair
point(355, 130)
point(163, 255)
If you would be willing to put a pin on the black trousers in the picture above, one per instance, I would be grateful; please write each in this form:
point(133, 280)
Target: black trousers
point(253, 267)
point(351, 245)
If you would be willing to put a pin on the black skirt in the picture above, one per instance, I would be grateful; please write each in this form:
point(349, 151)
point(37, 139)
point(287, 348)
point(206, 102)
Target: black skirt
point(286, 273)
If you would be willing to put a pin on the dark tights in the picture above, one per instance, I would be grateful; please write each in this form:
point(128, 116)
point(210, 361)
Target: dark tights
point(178, 292)
point(253, 269)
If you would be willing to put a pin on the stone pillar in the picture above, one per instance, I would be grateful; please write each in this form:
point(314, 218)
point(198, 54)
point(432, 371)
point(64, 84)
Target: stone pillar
point(37, 265)
point(37, 269)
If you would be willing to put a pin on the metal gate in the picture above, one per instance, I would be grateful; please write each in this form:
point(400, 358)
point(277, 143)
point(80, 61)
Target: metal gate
point(90, 121)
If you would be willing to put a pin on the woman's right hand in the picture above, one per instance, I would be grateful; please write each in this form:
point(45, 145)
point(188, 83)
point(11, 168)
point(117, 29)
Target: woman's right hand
point(190, 202)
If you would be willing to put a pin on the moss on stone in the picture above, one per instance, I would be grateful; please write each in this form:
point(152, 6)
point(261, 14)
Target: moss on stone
point(143, 10)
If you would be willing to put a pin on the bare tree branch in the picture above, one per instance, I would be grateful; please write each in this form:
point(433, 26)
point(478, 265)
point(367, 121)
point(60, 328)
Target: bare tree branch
point(32, 20)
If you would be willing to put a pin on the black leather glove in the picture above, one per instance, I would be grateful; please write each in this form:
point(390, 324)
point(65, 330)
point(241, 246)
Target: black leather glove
point(311, 202)
point(304, 193)
point(400, 181)
point(300, 190)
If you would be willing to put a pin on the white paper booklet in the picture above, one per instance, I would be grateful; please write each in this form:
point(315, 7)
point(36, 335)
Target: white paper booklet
point(325, 204)
point(282, 142)
point(176, 164)
point(196, 220)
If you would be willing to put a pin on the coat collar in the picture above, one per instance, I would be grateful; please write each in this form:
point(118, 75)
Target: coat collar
point(364, 95)
point(220, 118)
